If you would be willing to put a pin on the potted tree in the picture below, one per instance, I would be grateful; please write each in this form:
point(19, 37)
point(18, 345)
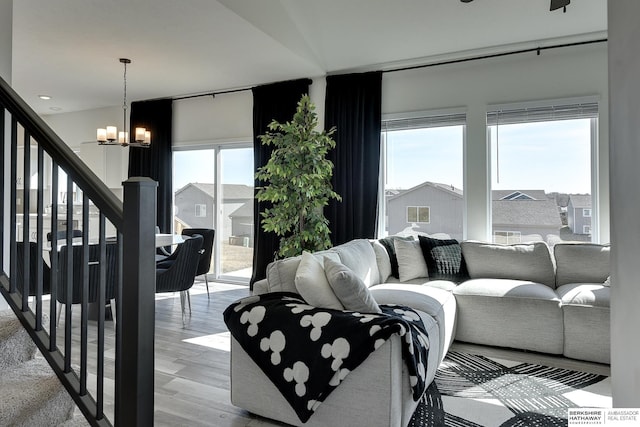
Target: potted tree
point(297, 182)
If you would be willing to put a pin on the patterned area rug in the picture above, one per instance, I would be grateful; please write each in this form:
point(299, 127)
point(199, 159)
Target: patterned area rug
point(471, 390)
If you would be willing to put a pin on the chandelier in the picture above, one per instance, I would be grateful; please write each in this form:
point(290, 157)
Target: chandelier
point(110, 134)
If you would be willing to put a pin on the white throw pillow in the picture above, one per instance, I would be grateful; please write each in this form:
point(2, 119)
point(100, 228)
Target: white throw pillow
point(312, 284)
point(411, 263)
point(382, 259)
point(349, 288)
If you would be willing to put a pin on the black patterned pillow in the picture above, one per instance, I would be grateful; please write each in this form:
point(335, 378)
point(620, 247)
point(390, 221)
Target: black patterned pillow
point(444, 259)
point(387, 242)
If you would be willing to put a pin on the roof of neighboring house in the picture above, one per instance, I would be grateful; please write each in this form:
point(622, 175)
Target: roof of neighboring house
point(246, 210)
point(442, 187)
point(518, 195)
point(230, 191)
point(526, 212)
point(580, 200)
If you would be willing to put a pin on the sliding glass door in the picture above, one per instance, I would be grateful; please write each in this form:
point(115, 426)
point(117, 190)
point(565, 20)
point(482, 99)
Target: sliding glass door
point(213, 188)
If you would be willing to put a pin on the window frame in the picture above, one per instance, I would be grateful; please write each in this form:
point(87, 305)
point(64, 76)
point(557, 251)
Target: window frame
point(417, 120)
point(418, 208)
point(586, 107)
point(507, 234)
point(198, 208)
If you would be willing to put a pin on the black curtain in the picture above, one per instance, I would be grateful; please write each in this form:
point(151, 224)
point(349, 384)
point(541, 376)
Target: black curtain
point(155, 162)
point(353, 106)
point(277, 101)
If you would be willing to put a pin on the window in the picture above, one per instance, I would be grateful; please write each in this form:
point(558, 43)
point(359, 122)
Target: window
point(507, 237)
point(586, 229)
point(541, 158)
point(586, 213)
point(201, 210)
point(220, 177)
point(422, 169)
point(418, 214)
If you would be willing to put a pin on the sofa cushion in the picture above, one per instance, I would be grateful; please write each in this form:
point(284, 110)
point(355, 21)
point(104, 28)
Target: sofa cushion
point(359, 256)
point(388, 243)
point(585, 294)
point(501, 312)
point(436, 303)
point(411, 263)
point(444, 259)
point(312, 284)
point(350, 290)
point(382, 259)
point(586, 311)
point(281, 273)
point(581, 263)
point(531, 262)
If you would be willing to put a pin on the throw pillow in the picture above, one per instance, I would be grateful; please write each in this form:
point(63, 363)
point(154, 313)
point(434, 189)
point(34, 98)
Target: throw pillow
point(607, 282)
point(411, 263)
point(350, 290)
point(382, 259)
point(444, 259)
point(388, 244)
point(312, 284)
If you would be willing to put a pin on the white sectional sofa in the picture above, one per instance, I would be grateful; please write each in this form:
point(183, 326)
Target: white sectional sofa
point(526, 296)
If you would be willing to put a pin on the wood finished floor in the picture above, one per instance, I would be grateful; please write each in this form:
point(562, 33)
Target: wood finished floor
point(192, 361)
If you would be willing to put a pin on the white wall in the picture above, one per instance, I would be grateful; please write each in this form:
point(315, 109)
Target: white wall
point(77, 127)
point(227, 118)
point(6, 25)
point(561, 73)
point(555, 74)
point(624, 69)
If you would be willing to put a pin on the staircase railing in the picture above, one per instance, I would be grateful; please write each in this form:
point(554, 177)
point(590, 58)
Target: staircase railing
point(107, 371)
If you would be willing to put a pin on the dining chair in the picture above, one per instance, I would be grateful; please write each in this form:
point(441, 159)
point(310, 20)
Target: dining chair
point(206, 252)
point(94, 275)
point(204, 264)
point(62, 234)
point(34, 258)
point(180, 274)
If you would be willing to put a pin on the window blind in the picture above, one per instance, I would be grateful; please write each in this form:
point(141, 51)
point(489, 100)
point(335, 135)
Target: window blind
point(424, 122)
point(587, 110)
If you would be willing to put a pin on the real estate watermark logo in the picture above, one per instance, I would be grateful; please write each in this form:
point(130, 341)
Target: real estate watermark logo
point(579, 417)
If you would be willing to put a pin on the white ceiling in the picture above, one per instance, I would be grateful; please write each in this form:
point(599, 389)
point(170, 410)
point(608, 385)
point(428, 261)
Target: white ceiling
point(69, 49)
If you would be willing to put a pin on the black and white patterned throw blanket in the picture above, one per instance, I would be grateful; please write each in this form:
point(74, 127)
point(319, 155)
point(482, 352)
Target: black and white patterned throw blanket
point(307, 351)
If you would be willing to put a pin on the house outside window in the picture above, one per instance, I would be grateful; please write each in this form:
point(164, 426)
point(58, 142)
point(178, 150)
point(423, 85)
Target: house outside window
point(418, 214)
point(507, 237)
point(201, 210)
point(422, 173)
point(541, 167)
point(213, 188)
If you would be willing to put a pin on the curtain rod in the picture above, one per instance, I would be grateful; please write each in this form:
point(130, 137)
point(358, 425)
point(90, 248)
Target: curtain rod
point(213, 94)
point(222, 92)
point(495, 55)
point(538, 50)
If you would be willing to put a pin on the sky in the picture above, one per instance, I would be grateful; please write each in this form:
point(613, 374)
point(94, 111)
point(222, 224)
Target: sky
point(199, 166)
point(552, 156)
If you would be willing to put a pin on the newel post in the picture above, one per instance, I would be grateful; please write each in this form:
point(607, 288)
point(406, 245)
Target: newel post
point(135, 357)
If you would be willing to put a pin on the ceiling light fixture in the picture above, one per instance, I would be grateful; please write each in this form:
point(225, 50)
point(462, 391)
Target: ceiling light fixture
point(107, 136)
point(44, 97)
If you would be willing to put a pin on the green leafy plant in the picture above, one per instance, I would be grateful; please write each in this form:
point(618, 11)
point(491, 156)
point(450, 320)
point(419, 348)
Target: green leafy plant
point(297, 181)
